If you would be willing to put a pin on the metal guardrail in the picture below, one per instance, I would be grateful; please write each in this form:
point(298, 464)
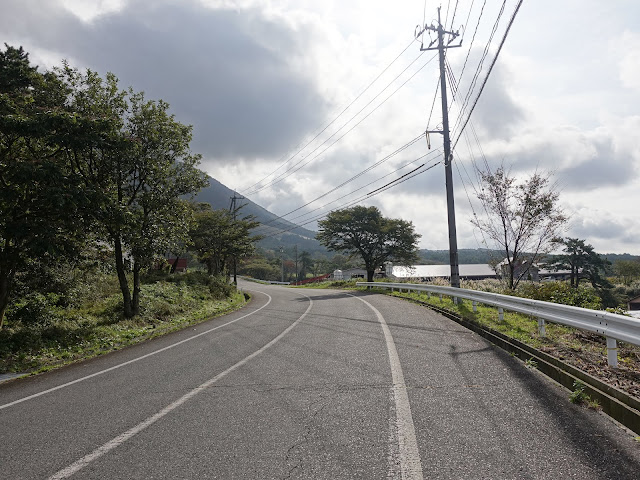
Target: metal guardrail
point(610, 325)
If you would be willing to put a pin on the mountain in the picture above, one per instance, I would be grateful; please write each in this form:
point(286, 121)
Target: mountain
point(277, 231)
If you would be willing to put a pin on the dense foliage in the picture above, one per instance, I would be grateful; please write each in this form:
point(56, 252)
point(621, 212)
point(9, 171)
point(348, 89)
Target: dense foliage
point(91, 176)
point(363, 231)
point(582, 261)
point(218, 237)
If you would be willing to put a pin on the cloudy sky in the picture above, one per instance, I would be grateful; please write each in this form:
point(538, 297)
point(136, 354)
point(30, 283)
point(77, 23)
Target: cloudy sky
point(291, 99)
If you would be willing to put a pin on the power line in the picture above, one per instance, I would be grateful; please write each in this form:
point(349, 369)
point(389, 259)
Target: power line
point(434, 153)
point(357, 200)
point(371, 167)
point(299, 167)
point(476, 74)
point(486, 78)
point(337, 116)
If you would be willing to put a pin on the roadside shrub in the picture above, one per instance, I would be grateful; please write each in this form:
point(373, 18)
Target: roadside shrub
point(33, 310)
point(561, 292)
point(220, 287)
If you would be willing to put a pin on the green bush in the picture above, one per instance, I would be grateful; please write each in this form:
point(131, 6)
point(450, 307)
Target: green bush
point(33, 310)
point(220, 288)
point(561, 292)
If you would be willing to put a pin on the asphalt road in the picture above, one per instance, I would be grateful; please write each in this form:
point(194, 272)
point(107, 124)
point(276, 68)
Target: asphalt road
point(316, 384)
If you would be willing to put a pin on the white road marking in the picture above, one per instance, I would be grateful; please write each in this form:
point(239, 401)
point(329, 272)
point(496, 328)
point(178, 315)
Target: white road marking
point(115, 367)
point(120, 439)
point(410, 463)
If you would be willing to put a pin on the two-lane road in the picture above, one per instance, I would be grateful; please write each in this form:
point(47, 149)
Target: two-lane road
point(307, 384)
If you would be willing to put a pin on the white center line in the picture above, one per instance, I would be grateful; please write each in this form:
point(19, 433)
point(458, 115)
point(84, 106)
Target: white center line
point(120, 439)
point(120, 365)
point(410, 463)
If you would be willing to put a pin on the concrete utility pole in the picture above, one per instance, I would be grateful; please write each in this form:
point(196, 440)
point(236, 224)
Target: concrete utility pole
point(233, 210)
point(448, 156)
point(282, 260)
point(297, 279)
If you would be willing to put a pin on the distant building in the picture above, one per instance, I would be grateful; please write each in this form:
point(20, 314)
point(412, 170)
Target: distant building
point(181, 266)
point(634, 304)
point(427, 273)
point(350, 273)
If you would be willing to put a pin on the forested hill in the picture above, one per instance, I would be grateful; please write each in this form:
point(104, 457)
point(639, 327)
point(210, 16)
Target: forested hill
point(277, 231)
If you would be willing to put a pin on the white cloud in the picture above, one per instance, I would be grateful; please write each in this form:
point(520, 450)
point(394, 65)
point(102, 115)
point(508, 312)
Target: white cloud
point(629, 64)
point(257, 78)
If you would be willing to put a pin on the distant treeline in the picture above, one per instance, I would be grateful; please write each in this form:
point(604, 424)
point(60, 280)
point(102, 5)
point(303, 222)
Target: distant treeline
point(483, 255)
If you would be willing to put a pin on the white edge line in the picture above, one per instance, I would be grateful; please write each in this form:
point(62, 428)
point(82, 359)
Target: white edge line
point(410, 463)
point(120, 439)
point(115, 367)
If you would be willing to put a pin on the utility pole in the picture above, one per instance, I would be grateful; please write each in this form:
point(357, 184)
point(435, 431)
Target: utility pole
point(296, 248)
point(448, 157)
point(282, 260)
point(233, 210)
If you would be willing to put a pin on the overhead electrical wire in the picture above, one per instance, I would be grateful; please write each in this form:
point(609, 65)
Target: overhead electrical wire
point(420, 169)
point(336, 117)
point(358, 200)
point(486, 78)
point(299, 166)
point(476, 74)
point(253, 190)
point(464, 29)
point(371, 167)
point(475, 31)
point(434, 152)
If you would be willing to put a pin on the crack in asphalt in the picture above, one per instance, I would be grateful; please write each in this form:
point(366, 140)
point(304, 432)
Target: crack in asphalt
point(305, 436)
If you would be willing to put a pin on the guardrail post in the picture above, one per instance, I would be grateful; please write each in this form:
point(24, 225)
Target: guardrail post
point(542, 330)
point(612, 352)
point(455, 300)
point(440, 297)
point(500, 314)
point(475, 306)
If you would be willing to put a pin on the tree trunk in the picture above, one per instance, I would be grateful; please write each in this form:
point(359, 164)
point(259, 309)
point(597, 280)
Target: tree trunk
point(135, 303)
point(370, 275)
point(122, 279)
point(175, 265)
point(5, 283)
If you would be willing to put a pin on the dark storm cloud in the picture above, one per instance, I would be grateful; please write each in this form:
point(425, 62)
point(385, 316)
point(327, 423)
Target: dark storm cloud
point(226, 72)
point(602, 228)
point(607, 167)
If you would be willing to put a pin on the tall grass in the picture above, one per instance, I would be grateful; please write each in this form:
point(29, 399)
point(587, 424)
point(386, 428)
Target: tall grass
point(44, 330)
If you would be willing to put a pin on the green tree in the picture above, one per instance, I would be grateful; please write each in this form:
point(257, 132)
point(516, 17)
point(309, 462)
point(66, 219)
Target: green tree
point(582, 261)
point(137, 169)
point(627, 270)
point(260, 268)
point(521, 219)
point(365, 232)
point(306, 264)
point(217, 237)
point(39, 196)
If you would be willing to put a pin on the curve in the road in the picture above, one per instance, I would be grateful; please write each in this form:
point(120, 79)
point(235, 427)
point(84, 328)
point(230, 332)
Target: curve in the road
point(122, 438)
point(410, 464)
point(134, 360)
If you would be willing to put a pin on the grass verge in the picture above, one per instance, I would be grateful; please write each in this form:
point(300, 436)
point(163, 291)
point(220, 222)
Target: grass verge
point(94, 325)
